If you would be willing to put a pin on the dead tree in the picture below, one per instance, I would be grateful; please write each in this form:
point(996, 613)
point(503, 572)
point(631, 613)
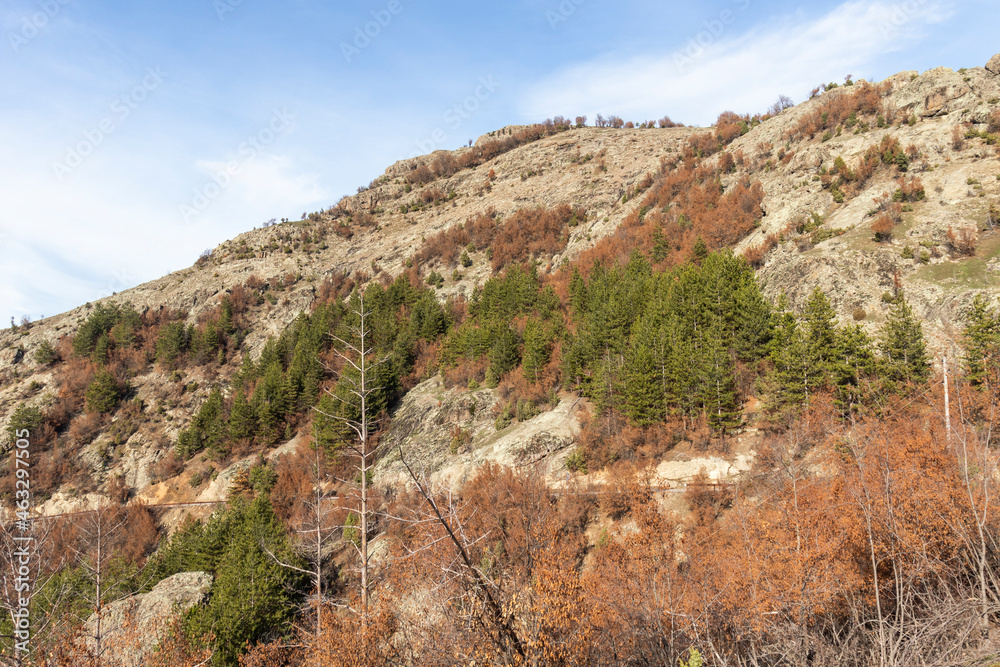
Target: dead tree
point(355, 393)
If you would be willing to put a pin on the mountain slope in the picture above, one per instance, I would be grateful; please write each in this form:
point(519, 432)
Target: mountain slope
point(816, 230)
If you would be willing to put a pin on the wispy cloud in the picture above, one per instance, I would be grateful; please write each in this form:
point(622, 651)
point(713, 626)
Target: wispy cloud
point(730, 63)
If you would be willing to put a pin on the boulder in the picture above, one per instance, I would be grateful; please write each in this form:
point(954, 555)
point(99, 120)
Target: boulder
point(147, 615)
point(993, 66)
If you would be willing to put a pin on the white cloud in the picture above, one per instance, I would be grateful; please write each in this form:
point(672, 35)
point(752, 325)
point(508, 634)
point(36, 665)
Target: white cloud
point(114, 222)
point(725, 64)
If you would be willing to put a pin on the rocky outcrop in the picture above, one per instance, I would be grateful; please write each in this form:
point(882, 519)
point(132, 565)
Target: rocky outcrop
point(993, 66)
point(446, 434)
point(132, 627)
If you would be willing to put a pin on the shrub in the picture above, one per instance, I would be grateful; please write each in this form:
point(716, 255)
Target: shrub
point(859, 314)
point(576, 461)
point(957, 138)
point(882, 227)
point(962, 241)
point(864, 99)
point(46, 353)
point(85, 428)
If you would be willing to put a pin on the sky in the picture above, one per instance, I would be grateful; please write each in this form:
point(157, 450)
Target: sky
point(136, 135)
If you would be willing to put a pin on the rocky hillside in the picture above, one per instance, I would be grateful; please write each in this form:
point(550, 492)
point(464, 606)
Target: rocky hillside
point(923, 154)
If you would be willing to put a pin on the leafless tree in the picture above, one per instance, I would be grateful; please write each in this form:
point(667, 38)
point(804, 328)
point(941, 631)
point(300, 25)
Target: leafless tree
point(357, 353)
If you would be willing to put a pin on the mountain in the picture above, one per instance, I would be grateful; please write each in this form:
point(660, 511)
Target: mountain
point(883, 196)
point(809, 234)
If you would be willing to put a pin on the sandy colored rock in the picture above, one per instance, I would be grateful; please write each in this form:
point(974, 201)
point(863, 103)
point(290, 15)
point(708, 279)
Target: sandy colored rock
point(993, 66)
point(144, 617)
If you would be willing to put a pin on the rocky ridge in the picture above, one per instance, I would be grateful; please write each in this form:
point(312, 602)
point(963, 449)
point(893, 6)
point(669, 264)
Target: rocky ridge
point(592, 168)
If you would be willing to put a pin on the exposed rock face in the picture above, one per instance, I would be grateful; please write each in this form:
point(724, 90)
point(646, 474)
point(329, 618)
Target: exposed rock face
point(446, 434)
point(993, 66)
point(138, 622)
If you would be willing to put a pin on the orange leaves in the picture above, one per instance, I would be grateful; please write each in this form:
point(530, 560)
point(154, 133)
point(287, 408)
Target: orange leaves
point(841, 107)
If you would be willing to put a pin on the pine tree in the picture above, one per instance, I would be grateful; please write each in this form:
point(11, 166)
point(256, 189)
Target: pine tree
point(641, 379)
point(104, 393)
point(904, 353)
point(754, 324)
point(719, 394)
point(853, 369)
point(270, 400)
point(981, 340)
point(242, 419)
point(252, 593)
point(537, 348)
point(820, 322)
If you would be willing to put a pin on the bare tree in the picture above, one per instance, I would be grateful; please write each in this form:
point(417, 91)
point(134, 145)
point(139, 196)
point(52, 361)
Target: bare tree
point(500, 626)
point(316, 531)
point(42, 563)
point(357, 353)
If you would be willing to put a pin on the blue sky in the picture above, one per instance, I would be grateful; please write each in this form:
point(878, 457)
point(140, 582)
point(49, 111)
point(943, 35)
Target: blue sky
point(134, 135)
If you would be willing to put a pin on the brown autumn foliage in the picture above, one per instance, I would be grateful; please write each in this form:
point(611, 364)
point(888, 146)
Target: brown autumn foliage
point(528, 233)
point(729, 126)
point(962, 241)
point(958, 138)
point(684, 203)
point(864, 99)
point(755, 255)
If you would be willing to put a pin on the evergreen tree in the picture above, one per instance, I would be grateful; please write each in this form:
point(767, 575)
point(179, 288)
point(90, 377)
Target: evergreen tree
point(504, 354)
point(643, 386)
point(981, 339)
point(252, 596)
point(270, 400)
point(904, 353)
point(853, 369)
point(104, 393)
point(242, 418)
point(820, 322)
point(206, 431)
point(172, 343)
point(753, 322)
point(537, 348)
point(719, 394)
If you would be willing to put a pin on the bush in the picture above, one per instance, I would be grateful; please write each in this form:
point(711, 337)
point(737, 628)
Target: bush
point(962, 241)
point(46, 353)
point(576, 461)
point(882, 227)
point(957, 138)
point(859, 314)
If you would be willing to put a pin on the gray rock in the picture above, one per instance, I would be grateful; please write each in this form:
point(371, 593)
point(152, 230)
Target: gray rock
point(146, 615)
point(993, 66)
